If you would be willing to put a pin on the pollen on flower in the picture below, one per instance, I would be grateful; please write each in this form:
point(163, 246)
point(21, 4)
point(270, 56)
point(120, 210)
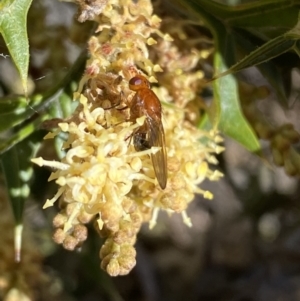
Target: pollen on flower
point(102, 177)
point(151, 41)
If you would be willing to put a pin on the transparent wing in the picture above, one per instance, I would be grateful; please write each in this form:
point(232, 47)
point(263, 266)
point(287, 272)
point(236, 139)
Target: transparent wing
point(156, 137)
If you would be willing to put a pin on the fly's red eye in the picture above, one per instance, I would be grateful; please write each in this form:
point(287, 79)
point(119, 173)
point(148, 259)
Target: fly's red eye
point(138, 82)
point(135, 81)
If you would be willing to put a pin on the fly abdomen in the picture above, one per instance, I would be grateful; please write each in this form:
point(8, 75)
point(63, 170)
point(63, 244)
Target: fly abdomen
point(140, 142)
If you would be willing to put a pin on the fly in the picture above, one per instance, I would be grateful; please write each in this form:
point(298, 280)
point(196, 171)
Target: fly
point(151, 133)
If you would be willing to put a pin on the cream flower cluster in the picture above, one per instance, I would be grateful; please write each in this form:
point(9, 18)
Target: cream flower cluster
point(102, 177)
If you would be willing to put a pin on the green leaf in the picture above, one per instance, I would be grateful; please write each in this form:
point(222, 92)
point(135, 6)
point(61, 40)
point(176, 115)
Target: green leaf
point(21, 134)
point(273, 48)
point(296, 48)
point(245, 44)
point(18, 172)
point(275, 78)
point(17, 169)
point(227, 111)
point(267, 18)
point(262, 54)
point(15, 110)
point(12, 103)
point(13, 19)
